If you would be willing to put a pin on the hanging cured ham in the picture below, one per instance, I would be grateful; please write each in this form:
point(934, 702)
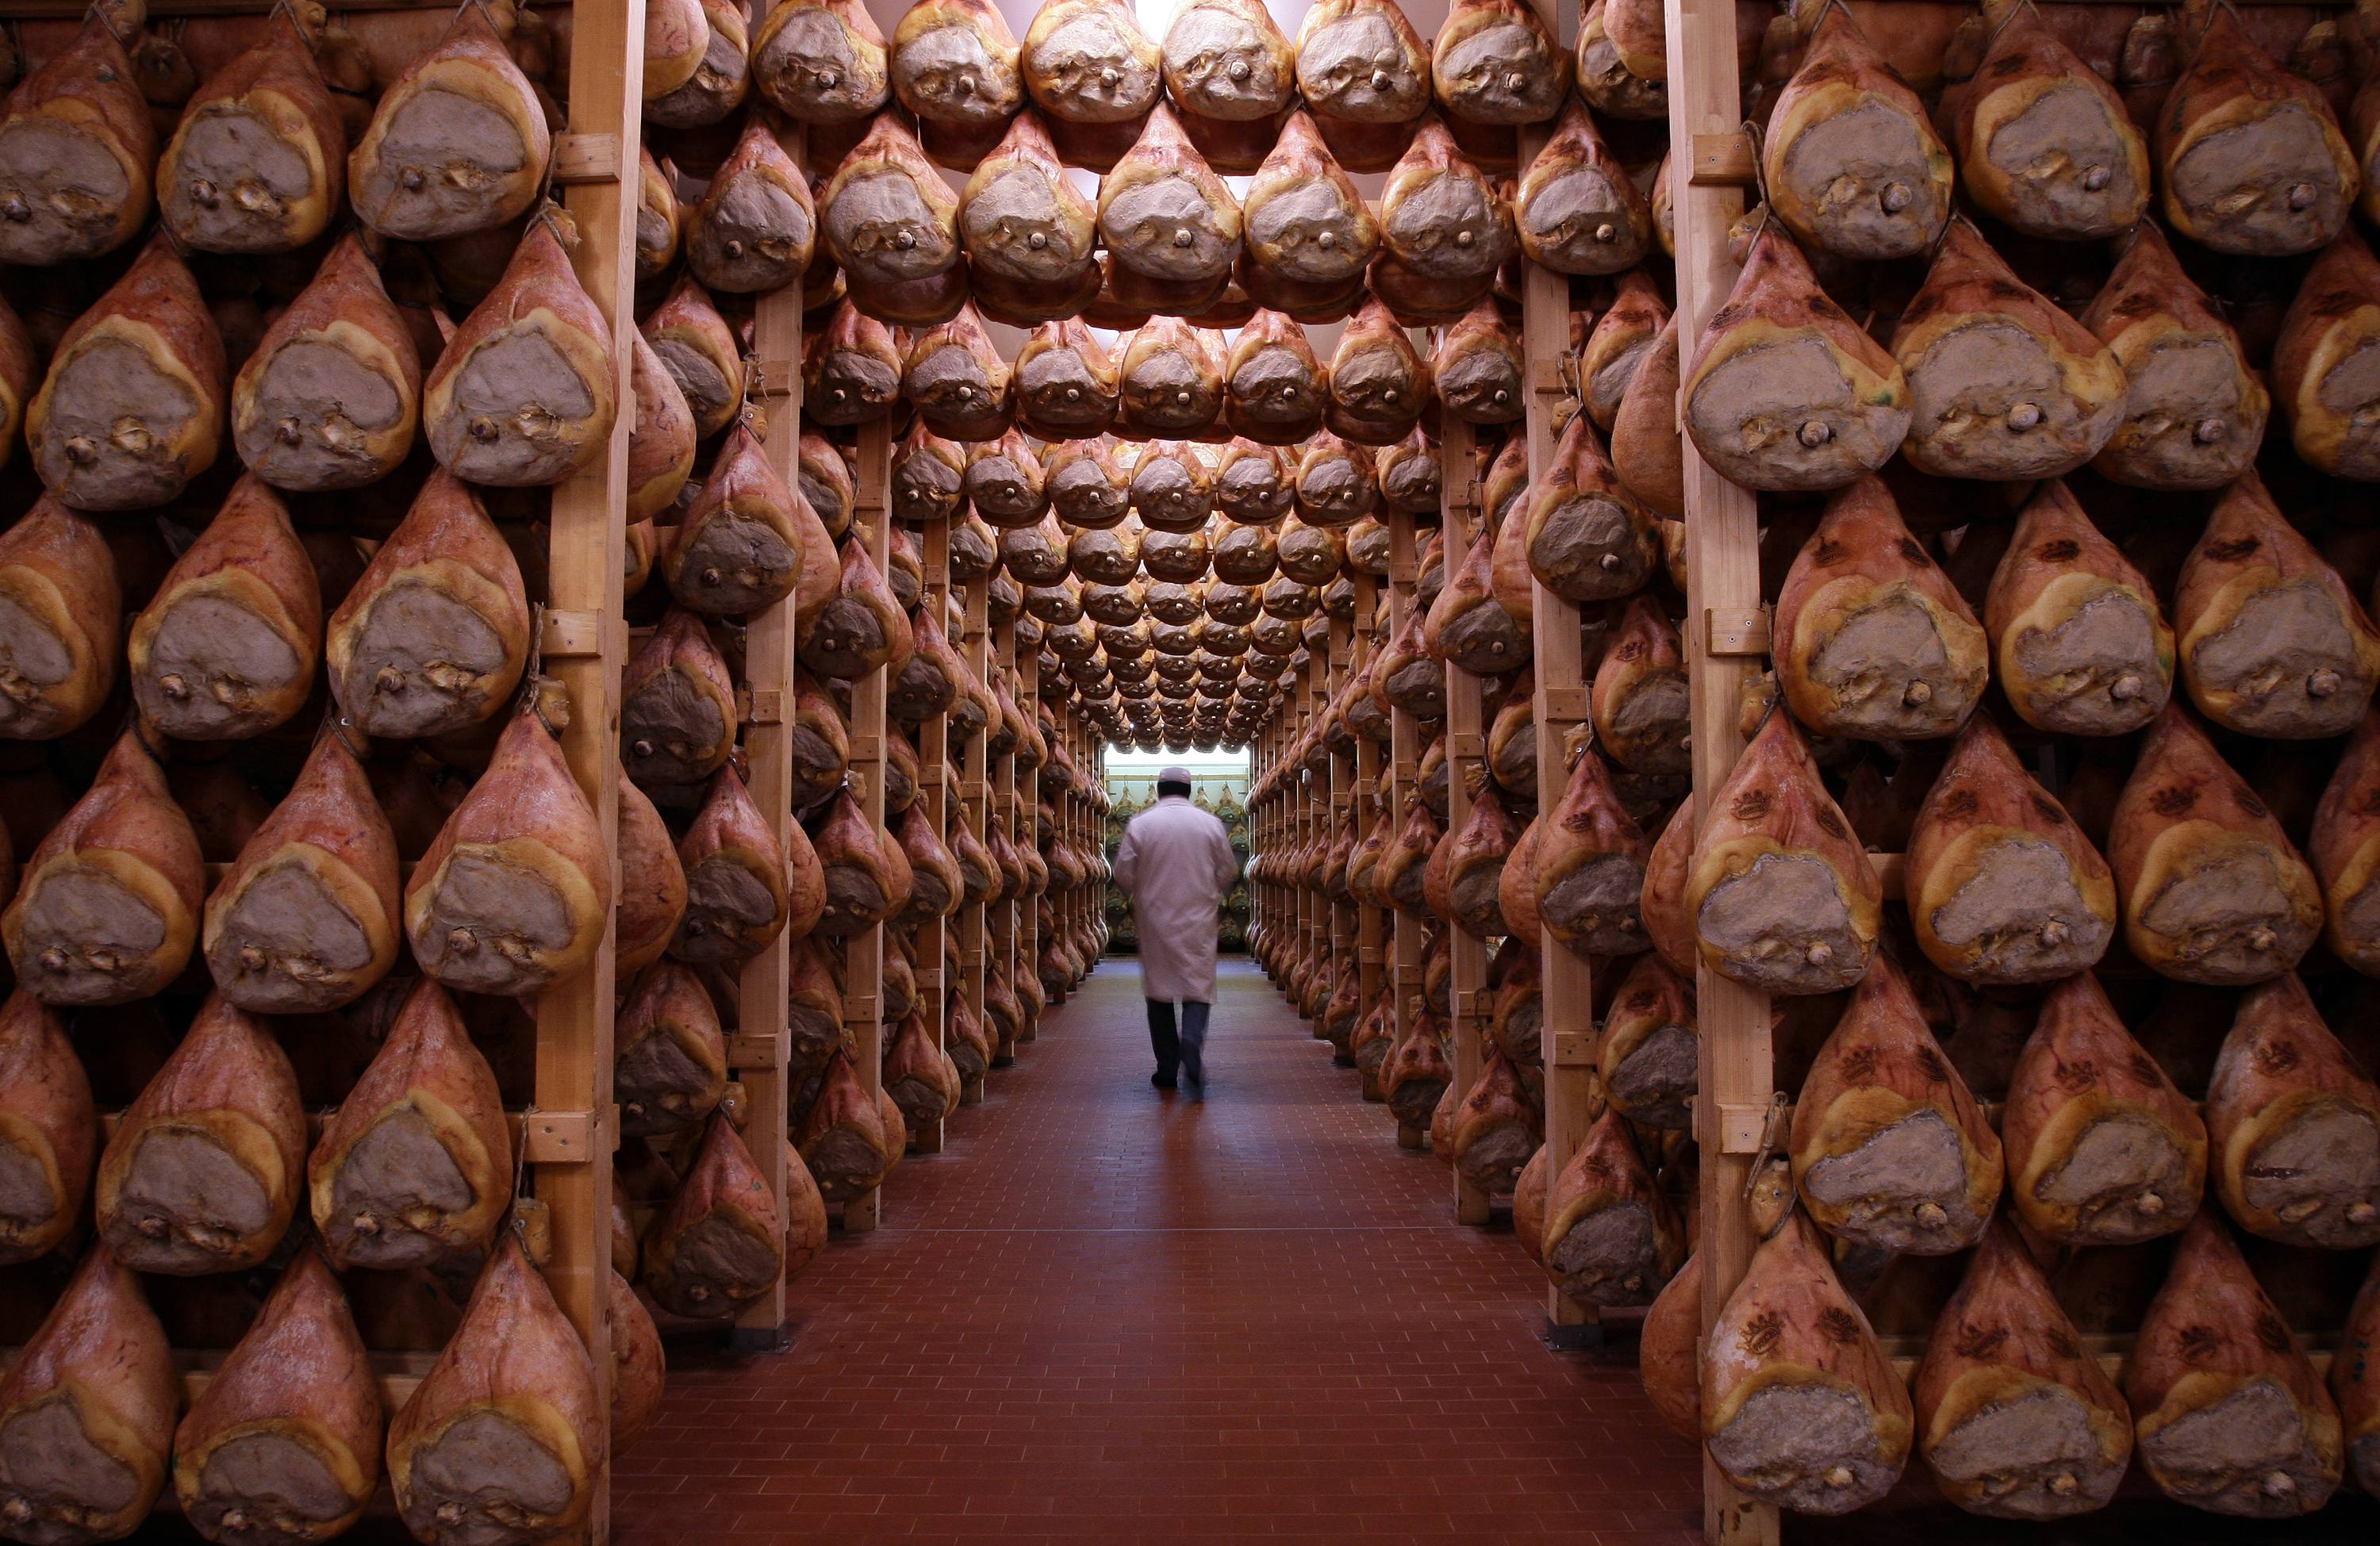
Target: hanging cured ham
point(741, 891)
point(1610, 1237)
point(331, 396)
point(502, 1442)
point(516, 890)
point(1164, 213)
point(1800, 1406)
point(77, 143)
point(1785, 391)
point(1873, 641)
point(954, 65)
point(740, 546)
point(1589, 865)
point(132, 408)
point(1577, 212)
point(671, 1059)
point(434, 635)
point(2295, 1126)
point(2229, 1415)
point(87, 1410)
point(203, 1173)
point(1020, 217)
point(1650, 1052)
point(1851, 162)
point(526, 392)
point(2272, 642)
point(823, 62)
point(106, 909)
point(2250, 154)
point(2078, 643)
point(2318, 374)
point(720, 1244)
point(1086, 61)
point(677, 706)
point(61, 619)
point(2345, 853)
point(2015, 1417)
point(2102, 1149)
point(843, 1142)
point(1227, 60)
point(258, 164)
point(2003, 385)
point(1588, 537)
point(886, 215)
point(416, 1167)
point(756, 228)
point(2193, 412)
point(2045, 144)
point(1360, 61)
point(1493, 62)
point(52, 1127)
point(1779, 894)
point(457, 144)
point(226, 650)
point(2213, 890)
point(306, 920)
point(862, 629)
point(288, 1429)
point(2002, 886)
point(704, 83)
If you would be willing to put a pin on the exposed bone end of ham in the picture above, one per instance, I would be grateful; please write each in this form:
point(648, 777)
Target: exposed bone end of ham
point(2295, 1126)
point(720, 1244)
point(458, 144)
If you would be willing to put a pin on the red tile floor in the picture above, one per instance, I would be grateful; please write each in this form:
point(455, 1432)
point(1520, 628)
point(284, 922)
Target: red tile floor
point(1104, 1313)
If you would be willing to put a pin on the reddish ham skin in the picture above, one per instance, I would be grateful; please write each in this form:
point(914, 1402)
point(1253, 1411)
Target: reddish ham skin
point(702, 358)
point(2317, 374)
point(515, 892)
point(2102, 1148)
point(1415, 1072)
point(843, 1141)
point(287, 1435)
point(1589, 865)
point(1800, 1407)
point(2229, 1414)
point(203, 1172)
point(51, 1130)
point(638, 1364)
point(2355, 1383)
point(1463, 876)
point(1889, 1147)
point(2002, 886)
point(2273, 643)
point(862, 629)
point(740, 546)
point(822, 63)
point(86, 1413)
point(2295, 1126)
point(106, 909)
point(677, 707)
point(2015, 1417)
point(756, 228)
point(921, 1080)
point(2213, 890)
point(1669, 919)
point(1667, 1359)
point(2046, 146)
point(286, 429)
point(1781, 894)
point(1649, 1054)
point(505, 1435)
point(227, 648)
point(2080, 645)
point(867, 878)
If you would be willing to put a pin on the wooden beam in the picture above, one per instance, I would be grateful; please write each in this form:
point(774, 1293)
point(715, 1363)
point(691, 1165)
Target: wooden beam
point(933, 792)
point(863, 966)
point(1404, 781)
point(585, 565)
point(1462, 521)
point(975, 797)
point(1723, 532)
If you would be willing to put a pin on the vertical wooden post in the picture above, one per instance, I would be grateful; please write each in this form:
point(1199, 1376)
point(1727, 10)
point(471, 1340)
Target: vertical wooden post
point(1003, 919)
point(1372, 922)
point(933, 788)
point(1027, 803)
point(1404, 781)
point(975, 798)
point(1723, 532)
point(759, 1054)
point(1346, 930)
point(1466, 765)
point(1559, 711)
point(863, 965)
point(585, 642)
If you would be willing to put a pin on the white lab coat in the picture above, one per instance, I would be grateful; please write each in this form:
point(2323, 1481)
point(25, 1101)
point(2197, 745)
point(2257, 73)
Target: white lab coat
point(1176, 864)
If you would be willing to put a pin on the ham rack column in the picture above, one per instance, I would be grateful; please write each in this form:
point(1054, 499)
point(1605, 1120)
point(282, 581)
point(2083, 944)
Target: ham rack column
point(571, 1137)
point(1003, 915)
point(1559, 711)
point(759, 1054)
point(863, 966)
point(1372, 921)
point(1346, 927)
point(1406, 974)
point(1722, 594)
point(1466, 774)
point(974, 762)
point(933, 800)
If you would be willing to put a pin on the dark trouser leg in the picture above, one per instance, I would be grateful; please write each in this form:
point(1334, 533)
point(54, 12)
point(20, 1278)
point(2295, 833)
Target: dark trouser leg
point(1194, 1038)
point(1162, 1039)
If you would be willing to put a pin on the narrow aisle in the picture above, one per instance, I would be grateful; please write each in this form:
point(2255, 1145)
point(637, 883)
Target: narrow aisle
point(1107, 1312)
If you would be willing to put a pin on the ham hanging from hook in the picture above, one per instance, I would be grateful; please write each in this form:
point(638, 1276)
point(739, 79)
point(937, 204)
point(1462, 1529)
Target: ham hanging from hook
point(457, 144)
point(258, 164)
point(77, 147)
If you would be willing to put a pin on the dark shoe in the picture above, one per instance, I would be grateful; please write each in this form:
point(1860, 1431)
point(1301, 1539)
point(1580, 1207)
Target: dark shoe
point(1162, 1079)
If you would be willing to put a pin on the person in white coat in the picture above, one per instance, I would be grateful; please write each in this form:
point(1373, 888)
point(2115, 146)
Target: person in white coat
point(1176, 864)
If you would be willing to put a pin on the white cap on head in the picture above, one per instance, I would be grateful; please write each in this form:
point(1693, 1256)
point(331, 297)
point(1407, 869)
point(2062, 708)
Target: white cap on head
point(1175, 776)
